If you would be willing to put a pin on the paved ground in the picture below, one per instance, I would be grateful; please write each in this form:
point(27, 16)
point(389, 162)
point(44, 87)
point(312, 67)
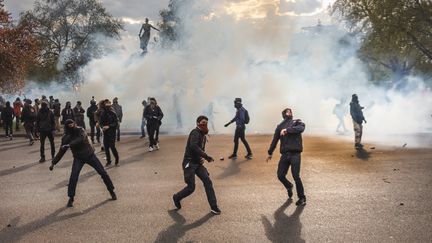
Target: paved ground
point(380, 195)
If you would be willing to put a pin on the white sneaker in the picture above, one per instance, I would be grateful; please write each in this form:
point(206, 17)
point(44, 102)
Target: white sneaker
point(157, 146)
point(151, 149)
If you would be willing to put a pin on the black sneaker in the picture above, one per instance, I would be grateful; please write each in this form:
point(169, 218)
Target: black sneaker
point(249, 156)
point(70, 203)
point(301, 202)
point(290, 192)
point(113, 195)
point(42, 160)
point(215, 210)
point(176, 202)
point(232, 156)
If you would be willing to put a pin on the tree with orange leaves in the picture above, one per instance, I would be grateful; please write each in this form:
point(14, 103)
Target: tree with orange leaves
point(18, 51)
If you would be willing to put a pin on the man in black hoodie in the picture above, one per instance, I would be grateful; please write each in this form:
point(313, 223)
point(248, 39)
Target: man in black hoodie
point(193, 161)
point(358, 118)
point(29, 119)
point(7, 116)
point(45, 124)
point(91, 116)
point(109, 122)
point(76, 139)
point(289, 133)
point(153, 114)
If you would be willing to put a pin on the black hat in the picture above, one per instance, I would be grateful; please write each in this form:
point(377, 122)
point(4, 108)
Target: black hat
point(69, 121)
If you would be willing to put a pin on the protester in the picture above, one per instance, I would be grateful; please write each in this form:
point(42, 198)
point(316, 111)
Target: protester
point(45, 124)
point(358, 118)
point(29, 119)
point(78, 113)
point(109, 123)
point(91, 116)
point(67, 113)
point(119, 112)
point(7, 116)
point(153, 115)
point(18, 106)
point(57, 114)
point(143, 120)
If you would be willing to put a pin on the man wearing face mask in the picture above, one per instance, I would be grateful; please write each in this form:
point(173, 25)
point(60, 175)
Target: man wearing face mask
point(109, 123)
point(45, 124)
point(67, 113)
point(78, 113)
point(91, 116)
point(193, 164)
point(358, 118)
point(241, 119)
point(289, 133)
point(76, 139)
point(153, 115)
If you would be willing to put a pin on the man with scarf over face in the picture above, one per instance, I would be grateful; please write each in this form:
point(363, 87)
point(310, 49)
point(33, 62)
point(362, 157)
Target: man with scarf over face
point(358, 118)
point(241, 119)
point(289, 133)
point(193, 164)
point(76, 139)
point(45, 124)
point(109, 122)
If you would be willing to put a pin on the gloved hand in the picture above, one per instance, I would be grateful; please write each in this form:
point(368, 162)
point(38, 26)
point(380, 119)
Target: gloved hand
point(226, 125)
point(51, 167)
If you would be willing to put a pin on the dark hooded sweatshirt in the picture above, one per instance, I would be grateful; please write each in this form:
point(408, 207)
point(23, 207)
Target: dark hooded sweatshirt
point(292, 142)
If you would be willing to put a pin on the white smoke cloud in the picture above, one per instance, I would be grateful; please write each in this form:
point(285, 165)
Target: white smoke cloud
point(269, 62)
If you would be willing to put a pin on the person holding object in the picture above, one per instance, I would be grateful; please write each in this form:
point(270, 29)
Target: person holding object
point(289, 133)
point(193, 164)
point(241, 119)
point(83, 152)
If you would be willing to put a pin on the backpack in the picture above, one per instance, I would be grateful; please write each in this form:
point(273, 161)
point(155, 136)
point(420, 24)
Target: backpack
point(247, 118)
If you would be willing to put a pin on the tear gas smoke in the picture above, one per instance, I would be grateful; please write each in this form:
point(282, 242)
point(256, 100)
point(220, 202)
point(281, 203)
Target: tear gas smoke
point(269, 62)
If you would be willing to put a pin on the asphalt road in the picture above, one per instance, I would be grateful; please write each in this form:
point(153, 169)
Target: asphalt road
point(379, 195)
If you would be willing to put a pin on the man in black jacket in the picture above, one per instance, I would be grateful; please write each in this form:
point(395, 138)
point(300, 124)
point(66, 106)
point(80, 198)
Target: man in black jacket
point(289, 133)
point(57, 114)
point(67, 113)
point(29, 119)
point(7, 116)
point(76, 139)
point(193, 165)
point(241, 119)
point(109, 122)
point(78, 113)
point(153, 115)
point(45, 124)
point(91, 116)
point(358, 118)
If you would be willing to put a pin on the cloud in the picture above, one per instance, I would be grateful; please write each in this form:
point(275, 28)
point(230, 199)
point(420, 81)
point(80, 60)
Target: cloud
point(300, 6)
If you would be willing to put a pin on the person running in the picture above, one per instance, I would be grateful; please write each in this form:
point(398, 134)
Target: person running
point(289, 133)
point(193, 164)
point(109, 123)
point(119, 112)
point(154, 115)
point(83, 152)
point(358, 118)
point(241, 119)
point(7, 116)
point(29, 119)
point(45, 124)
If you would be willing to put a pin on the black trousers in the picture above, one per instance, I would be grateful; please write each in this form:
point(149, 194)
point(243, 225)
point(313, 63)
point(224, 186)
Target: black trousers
point(94, 162)
point(189, 177)
point(292, 159)
point(118, 132)
point(30, 131)
point(8, 127)
point(240, 134)
point(50, 136)
point(109, 140)
point(151, 130)
point(157, 133)
point(17, 122)
point(94, 129)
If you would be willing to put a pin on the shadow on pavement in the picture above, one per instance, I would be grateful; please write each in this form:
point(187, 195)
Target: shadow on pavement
point(176, 231)
point(285, 228)
point(14, 234)
point(363, 154)
point(17, 169)
point(232, 169)
point(82, 178)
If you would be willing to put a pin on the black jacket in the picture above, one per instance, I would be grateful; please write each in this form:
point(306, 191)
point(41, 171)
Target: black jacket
point(153, 116)
point(91, 112)
point(45, 120)
point(67, 113)
point(195, 147)
point(109, 118)
point(292, 141)
point(356, 112)
point(7, 114)
point(79, 144)
point(28, 114)
point(57, 109)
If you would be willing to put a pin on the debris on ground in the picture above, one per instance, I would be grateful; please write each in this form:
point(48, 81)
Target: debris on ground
point(222, 158)
point(401, 204)
point(372, 148)
point(9, 225)
point(386, 181)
